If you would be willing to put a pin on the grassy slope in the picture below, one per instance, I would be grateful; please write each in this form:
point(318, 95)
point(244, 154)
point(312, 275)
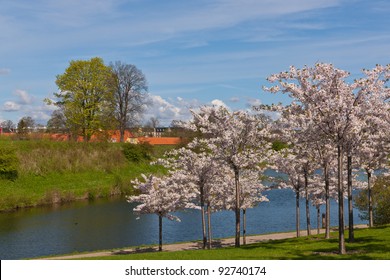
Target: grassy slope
point(58, 172)
point(370, 244)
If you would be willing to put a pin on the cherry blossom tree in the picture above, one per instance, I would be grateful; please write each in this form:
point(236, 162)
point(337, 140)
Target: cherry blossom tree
point(161, 196)
point(325, 156)
point(374, 145)
point(321, 94)
point(236, 138)
point(200, 172)
point(251, 193)
point(372, 158)
point(317, 197)
point(287, 163)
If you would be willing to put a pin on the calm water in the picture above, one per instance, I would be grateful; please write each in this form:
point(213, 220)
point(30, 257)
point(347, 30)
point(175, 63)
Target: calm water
point(111, 224)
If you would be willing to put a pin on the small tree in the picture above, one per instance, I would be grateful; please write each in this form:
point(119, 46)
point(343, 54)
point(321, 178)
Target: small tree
point(200, 171)
point(8, 126)
point(380, 199)
point(287, 163)
point(160, 196)
point(251, 194)
point(25, 126)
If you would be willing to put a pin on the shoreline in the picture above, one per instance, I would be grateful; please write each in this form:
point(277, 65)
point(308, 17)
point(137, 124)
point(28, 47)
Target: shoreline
point(192, 245)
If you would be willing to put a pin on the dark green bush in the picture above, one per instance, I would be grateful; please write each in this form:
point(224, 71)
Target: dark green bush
point(380, 201)
point(8, 163)
point(138, 152)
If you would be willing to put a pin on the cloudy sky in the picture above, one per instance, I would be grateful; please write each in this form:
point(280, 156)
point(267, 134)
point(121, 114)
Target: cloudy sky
point(191, 52)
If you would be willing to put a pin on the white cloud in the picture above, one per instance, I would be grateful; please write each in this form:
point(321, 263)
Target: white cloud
point(167, 110)
point(40, 116)
point(227, 13)
point(253, 102)
point(4, 71)
point(234, 99)
point(219, 103)
point(11, 106)
point(76, 23)
point(24, 97)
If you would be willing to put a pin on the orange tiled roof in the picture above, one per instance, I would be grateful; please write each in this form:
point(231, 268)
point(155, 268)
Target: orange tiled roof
point(114, 136)
point(160, 140)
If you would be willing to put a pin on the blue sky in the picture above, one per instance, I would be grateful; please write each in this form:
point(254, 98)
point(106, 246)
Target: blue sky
point(191, 52)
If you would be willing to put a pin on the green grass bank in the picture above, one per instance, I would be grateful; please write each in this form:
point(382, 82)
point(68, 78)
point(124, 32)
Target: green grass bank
point(369, 244)
point(49, 172)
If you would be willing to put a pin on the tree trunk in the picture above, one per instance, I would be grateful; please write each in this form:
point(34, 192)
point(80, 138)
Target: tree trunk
point(327, 201)
point(297, 218)
point(340, 187)
point(237, 204)
point(308, 226)
point(202, 210)
point(318, 219)
point(159, 232)
point(85, 136)
point(244, 226)
point(122, 134)
point(351, 234)
point(370, 213)
point(209, 226)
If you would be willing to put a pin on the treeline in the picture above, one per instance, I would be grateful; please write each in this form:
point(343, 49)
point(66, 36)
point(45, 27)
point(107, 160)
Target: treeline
point(93, 97)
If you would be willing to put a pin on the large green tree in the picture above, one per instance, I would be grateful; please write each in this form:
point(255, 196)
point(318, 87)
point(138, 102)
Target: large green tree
point(86, 96)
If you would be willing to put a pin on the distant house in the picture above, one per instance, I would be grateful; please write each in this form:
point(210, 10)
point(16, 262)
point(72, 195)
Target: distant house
point(158, 131)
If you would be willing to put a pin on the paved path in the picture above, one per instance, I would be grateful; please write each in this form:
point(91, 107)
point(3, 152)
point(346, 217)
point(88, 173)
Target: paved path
point(227, 242)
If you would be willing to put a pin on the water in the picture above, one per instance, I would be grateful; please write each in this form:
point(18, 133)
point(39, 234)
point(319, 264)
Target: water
point(108, 224)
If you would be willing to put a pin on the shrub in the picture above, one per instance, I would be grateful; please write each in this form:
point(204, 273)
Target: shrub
point(8, 163)
point(137, 152)
point(380, 201)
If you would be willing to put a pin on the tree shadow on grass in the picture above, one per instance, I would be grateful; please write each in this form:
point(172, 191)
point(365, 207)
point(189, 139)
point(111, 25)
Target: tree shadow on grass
point(298, 249)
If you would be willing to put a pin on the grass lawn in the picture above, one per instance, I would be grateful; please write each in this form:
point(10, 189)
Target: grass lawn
point(52, 188)
point(370, 244)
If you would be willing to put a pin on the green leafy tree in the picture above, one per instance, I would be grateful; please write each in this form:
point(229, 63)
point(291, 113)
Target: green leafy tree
point(381, 201)
point(9, 163)
point(86, 96)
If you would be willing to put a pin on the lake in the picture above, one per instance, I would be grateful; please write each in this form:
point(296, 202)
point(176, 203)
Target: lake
point(108, 224)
